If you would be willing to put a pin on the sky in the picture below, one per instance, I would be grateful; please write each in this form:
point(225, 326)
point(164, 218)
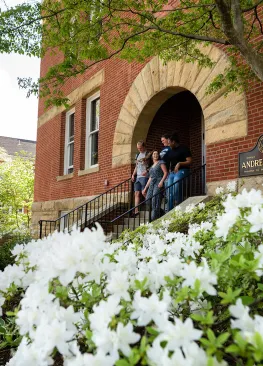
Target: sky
point(18, 114)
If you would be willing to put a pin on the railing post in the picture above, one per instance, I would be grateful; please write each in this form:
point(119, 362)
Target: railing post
point(40, 229)
point(86, 214)
point(131, 195)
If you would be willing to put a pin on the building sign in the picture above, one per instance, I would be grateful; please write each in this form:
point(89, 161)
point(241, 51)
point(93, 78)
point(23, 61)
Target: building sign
point(251, 162)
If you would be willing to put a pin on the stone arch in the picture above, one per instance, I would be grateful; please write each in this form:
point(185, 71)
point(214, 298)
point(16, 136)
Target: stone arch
point(225, 117)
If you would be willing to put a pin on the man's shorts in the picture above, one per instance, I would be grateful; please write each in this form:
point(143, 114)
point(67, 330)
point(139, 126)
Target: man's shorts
point(140, 184)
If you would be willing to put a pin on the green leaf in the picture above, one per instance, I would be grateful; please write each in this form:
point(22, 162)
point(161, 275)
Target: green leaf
point(122, 363)
point(233, 348)
point(223, 338)
point(143, 344)
point(247, 300)
point(211, 336)
point(152, 331)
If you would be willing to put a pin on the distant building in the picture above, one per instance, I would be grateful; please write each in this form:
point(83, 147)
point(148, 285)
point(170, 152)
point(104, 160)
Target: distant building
point(14, 145)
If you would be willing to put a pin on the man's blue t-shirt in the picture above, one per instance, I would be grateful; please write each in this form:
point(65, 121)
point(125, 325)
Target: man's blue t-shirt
point(164, 151)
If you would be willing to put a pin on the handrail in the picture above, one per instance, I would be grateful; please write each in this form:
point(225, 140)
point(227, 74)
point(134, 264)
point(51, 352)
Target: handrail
point(116, 204)
point(84, 210)
point(148, 202)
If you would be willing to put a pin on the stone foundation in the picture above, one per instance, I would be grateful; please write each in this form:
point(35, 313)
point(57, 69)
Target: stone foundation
point(50, 210)
point(248, 183)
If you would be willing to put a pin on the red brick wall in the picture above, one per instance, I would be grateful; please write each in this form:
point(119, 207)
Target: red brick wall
point(222, 158)
point(119, 76)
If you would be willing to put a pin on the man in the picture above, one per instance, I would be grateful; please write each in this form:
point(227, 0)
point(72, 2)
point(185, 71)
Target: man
point(179, 159)
point(165, 142)
point(141, 173)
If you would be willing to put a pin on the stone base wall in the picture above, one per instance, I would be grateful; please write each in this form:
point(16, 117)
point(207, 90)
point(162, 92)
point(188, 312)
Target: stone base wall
point(50, 210)
point(248, 183)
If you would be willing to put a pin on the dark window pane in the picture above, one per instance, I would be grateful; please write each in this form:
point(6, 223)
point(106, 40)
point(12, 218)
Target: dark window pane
point(94, 148)
point(71, 154)
point(71, 126)
point(95, 115)
point(70, 170)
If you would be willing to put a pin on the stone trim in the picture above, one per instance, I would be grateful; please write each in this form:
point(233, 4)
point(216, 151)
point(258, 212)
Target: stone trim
point(246, 182)
point(225, 117)
point(49, 210)
point(89, 171)
point(82, 91)
point(65, 177)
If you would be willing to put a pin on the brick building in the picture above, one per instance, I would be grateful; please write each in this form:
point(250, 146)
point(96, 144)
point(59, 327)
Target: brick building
point(115, 104)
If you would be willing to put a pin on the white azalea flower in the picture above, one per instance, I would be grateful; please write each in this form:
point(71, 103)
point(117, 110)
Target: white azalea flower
point(118, 285)
point(256, 219)
point(109, 341)
point(180, 334)
point(191, 272)
point(103, 313)
point(219, 190)
point(147, 309)
point(231, 186)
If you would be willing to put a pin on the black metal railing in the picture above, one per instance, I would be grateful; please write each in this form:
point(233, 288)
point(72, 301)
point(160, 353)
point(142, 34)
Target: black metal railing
point(157, 205)
point(107, 205)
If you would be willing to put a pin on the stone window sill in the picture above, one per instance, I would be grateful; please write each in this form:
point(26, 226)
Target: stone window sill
point(64, 177)
point(89, 171)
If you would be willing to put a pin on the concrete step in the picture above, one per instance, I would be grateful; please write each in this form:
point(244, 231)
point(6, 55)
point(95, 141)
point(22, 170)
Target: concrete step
point(136, 221)
point(144, 215)
point(120, 228)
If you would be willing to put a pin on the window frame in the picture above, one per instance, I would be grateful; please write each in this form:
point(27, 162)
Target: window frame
point(67, 143)
point(89, 132)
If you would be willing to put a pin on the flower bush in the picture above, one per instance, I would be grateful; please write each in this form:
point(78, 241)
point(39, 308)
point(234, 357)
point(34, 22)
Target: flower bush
point(157, 297)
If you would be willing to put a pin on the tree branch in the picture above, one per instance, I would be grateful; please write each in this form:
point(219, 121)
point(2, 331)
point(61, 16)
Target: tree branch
point(259, 21)
point(252, 7)
point(192, 36)
point(237, 17)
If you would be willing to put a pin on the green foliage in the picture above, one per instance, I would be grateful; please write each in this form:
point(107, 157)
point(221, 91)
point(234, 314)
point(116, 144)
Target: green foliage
point(133, 30)
point(6, 256)
point(16, 195)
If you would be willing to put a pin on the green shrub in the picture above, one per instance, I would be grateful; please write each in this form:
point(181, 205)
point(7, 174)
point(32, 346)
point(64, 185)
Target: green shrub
point(6, 256)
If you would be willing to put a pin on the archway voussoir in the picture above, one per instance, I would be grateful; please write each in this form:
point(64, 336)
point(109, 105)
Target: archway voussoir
point(154, 66)
point(131, 107)
point(135, 97)
point(192, 76)
point(163, 74)
point(127, 117)
point(121, 149)
point(141, 88)
point(218, 69)
point(186, 72)
point(122, 139)
point(123, 127)
point(121, 160)
point(147, 79)
point(170, 73)
point(178, 72)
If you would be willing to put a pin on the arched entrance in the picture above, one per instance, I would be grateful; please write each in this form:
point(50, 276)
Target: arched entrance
point(181, 113)
point(225, 118)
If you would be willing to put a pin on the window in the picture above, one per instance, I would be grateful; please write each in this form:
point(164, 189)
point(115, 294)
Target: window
point(93, 121)
point(69, 142)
